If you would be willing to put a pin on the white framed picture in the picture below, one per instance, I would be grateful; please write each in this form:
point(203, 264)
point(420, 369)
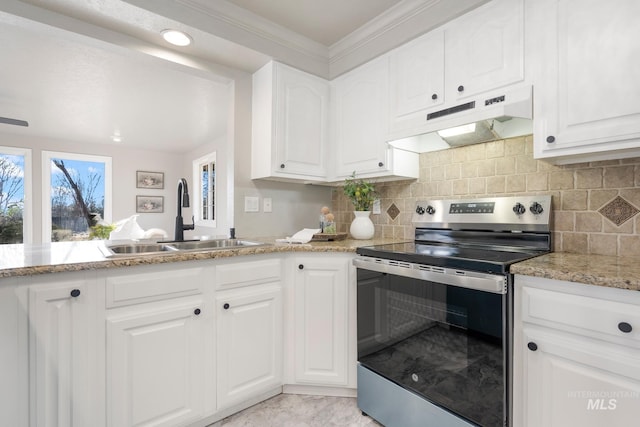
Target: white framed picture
point(149, 204)
point(150, 180)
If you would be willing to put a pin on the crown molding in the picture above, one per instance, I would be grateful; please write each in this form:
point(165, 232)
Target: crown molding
point(403, 22)
point(251, 24)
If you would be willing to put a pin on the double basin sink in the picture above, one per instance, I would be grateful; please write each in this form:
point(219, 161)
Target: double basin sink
point(139, 248)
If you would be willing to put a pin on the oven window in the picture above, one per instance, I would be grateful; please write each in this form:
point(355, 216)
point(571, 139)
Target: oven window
point(442, 342)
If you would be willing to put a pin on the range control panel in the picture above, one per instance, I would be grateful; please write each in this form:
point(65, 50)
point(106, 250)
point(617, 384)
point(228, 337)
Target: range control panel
point(511, 213)
point(469, 208)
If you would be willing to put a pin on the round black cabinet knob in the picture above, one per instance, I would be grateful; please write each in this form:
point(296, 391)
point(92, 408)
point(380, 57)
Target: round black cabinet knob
point(226, 306)
point(380, 164)
point(434, 96)
point(300, 267)
point(551, 139)
point(420, 210)
point(75, 293)
point(196, 311)
point(536, 208)
point(519, 209)
point(625, 327)
point(281, 165)
point(532, 346)
point(460, 88)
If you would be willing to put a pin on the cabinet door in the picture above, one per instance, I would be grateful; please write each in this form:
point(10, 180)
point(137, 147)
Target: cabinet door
point(321, 301)
point(360, 119)
point(157, 363)
point(302, 123)
point(65, 348)
point(416, 79)
point(290, 124)
point(586, 79)
point(484, 49)
point(570, 380)
point(249, 343)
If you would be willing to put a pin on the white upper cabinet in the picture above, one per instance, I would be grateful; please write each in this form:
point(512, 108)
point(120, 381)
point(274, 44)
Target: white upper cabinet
point(484, 50)
point(360, 114)
point(360, 98)
point(479, 52)
point(289, 125)
point(417, 79)
point(586, 79)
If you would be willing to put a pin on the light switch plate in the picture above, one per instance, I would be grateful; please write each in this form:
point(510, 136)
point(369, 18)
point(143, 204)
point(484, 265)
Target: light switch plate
point(251, 204)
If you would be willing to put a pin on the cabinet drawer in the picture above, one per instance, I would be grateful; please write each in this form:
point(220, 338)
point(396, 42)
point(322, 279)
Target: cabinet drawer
point(145, 285)
point(238, 274)
point(598, 318)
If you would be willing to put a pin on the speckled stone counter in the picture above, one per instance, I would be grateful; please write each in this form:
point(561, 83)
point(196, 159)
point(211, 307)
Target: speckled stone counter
point(26, 260)
point(599, 270)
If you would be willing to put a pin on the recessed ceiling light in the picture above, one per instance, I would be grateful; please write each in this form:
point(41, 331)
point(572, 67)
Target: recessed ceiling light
point(177, 38)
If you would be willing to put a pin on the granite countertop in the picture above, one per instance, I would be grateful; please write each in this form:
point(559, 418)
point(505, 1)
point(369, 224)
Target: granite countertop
point(26, 260)
point(599, 270)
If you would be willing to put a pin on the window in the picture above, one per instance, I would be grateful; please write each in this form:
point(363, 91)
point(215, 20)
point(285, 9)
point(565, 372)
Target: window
point(15, 195)
point(204, 194)
point(76, 195)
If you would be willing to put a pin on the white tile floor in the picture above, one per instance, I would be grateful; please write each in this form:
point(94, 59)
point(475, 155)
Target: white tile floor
point(294, 410)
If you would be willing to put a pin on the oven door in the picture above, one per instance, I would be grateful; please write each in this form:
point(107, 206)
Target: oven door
point(439, 333)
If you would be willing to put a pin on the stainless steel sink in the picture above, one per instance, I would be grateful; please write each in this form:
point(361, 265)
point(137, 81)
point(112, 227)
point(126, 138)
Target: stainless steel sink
point(212, 244)
point(140, 248)
point(135, 249)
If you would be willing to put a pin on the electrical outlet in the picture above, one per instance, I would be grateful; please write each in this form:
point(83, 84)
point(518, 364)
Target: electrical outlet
point(266, 204)
point(376, 207)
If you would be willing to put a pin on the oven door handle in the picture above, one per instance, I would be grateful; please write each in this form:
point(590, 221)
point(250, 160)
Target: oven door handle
point(493, 283)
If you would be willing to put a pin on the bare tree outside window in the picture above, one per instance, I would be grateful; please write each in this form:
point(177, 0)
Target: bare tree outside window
point(77, 198)
point(11, 198)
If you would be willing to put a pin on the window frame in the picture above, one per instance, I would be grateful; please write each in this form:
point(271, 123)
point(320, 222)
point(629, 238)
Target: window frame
point(197, 192)
point(27, 213)
point(47, 156)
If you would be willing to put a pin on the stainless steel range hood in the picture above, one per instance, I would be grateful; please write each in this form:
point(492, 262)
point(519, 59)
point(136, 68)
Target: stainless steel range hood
point(505, 114)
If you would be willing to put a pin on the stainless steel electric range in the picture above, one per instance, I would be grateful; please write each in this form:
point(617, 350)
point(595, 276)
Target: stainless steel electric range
point(435, 314)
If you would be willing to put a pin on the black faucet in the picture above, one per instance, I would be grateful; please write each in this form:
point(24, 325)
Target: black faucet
point(183, 202)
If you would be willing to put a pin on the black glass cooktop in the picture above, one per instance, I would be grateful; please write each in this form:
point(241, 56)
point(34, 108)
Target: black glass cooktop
point(477, 258)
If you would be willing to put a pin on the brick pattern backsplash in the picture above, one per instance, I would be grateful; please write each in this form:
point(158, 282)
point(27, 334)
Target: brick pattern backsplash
point(507, 167)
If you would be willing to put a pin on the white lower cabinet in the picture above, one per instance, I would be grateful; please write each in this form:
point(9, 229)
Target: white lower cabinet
point(576, 355)
point(249, 342)
point(159, 346)
point(176, 344)
point(156, 364)
point(324, 329)
point(66, 351)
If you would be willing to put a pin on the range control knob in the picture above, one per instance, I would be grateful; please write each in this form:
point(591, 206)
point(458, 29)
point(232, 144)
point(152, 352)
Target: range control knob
point(430, 210)
point(536, 208)
point(420, 210)
point(519, 209)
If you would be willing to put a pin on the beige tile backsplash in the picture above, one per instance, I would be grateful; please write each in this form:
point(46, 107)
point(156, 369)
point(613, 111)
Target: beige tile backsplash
point(507, 167)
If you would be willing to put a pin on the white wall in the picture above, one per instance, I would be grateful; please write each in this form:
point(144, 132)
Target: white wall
point(125, 163)
point(295, 206)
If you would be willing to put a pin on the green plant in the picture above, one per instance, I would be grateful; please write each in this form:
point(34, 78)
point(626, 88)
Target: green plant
point(361, 193)
point(101, 231)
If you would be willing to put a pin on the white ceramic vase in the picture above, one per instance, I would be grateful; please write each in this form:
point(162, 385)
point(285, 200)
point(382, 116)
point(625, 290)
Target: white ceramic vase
point(362, 227)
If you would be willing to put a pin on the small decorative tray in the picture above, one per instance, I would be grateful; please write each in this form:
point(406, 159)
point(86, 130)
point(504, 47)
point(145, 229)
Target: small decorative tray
point(328, 237)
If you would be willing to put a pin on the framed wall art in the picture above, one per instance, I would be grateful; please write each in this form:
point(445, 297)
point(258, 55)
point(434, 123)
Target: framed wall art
point(149, 180)
point(149, 204)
